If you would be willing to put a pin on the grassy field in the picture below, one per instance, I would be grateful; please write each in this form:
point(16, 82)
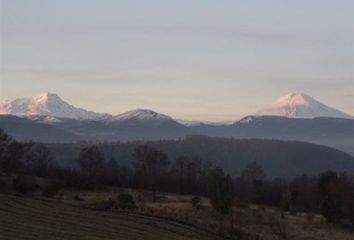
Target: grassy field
point(26, 218)
point(72, 214)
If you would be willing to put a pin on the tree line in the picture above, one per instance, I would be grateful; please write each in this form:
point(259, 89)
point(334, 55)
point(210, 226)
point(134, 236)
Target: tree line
point(279, 158)
point(330, 193)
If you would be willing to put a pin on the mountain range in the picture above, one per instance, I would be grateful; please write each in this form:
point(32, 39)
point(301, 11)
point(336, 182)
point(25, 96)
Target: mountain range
point(295, 116)
point(50, 105)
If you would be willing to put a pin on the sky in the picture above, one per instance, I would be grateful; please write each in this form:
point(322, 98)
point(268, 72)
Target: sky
point(191, 59)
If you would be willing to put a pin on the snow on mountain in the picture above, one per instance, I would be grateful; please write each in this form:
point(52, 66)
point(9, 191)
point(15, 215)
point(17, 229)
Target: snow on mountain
point(43, 118)
point(300, 105)
point(48, 107)
point(247, 119)
point(141, 114)
point(192, 123)
point(46, 104)
point(189, 123)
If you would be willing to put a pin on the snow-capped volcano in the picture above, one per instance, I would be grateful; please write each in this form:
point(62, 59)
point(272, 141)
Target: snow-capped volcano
point(45, 104)
point(300, 105)
point(141, 114)
point(47, 107)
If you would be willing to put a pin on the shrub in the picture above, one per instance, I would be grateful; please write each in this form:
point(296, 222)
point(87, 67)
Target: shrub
point(196, 202)
point(78, 198)
point(79, 181)
point(220, 190)
point(240, 203)
point(331, 209)
point(126, 201)
point(24, 184)
point(310, 217)
point(51, 188)
point(103, 205)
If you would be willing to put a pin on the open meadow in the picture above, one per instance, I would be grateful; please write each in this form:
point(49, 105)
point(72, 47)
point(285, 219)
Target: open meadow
point(33, 219)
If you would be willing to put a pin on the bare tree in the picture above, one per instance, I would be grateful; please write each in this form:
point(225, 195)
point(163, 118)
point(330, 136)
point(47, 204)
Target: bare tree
point(91, 162)
point(254, 172)
point(37, 159)
point(151, 166)
point(11, 159)
point(186, 172)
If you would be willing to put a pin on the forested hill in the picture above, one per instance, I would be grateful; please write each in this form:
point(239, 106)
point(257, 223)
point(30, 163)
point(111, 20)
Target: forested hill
point(279, 158)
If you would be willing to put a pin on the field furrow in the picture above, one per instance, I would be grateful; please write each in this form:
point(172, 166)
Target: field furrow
point(31, 219)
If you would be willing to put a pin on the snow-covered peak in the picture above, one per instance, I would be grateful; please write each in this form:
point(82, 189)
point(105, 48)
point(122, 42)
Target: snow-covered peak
point(49, 107)
point(45, 104)
point(294, 99)
point(300, 105)
point(141, 114)
point(45, 96)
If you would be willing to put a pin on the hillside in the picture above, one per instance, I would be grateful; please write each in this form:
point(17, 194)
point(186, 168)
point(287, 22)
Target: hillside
point(333, 132)
point(62, 217)
point(279, 158)
point(30, 219)
point(25, 129)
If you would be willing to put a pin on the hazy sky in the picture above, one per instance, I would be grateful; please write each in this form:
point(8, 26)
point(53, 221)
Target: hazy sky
point(210, 60)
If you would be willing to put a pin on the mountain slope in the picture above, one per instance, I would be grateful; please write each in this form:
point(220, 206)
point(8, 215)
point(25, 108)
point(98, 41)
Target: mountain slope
point(125, 129)
point(300, 105)
point(141, 115)
point(25, 129)
point(334, 132)
point(46, 104)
